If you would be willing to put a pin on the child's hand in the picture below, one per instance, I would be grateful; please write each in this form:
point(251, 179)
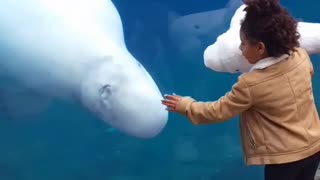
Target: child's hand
point(171, 102)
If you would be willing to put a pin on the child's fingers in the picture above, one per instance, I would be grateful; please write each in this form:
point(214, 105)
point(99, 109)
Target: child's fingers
point(169, 103)
point(172, 97)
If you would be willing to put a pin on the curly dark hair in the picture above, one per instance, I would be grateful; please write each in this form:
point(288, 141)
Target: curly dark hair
point(268, 22)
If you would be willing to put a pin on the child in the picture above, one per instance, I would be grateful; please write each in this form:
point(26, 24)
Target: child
point(279, 122)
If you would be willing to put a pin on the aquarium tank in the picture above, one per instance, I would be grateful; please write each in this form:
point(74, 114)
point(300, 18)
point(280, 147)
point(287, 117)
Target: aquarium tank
point(59, 140)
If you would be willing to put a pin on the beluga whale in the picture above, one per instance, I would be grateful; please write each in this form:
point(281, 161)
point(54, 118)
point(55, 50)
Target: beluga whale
point(224, 54)
point(74, 50)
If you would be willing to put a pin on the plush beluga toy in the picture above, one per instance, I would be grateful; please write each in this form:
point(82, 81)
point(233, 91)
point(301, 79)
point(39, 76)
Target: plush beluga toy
point(224, 55)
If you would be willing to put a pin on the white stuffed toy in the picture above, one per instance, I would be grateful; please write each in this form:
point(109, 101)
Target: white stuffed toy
point(225, 56)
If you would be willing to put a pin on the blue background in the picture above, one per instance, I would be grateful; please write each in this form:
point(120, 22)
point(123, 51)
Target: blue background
point(65, 143)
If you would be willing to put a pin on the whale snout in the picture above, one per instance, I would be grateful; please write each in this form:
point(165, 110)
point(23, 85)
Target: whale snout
point(145, 117)
point(153, 120)
point(150, 125)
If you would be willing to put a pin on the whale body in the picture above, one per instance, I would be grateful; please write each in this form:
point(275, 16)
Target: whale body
point(75, 50)
point(225, 56)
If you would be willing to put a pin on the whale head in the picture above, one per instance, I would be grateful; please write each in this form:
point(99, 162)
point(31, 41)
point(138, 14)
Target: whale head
point(122, 93)
point(224, 54)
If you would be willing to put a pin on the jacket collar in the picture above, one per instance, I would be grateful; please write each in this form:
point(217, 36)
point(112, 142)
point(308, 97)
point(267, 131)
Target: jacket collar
point(266, 62)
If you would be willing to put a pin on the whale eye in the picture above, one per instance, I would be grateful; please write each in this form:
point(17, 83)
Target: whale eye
point(139, 64)
point(105, 91)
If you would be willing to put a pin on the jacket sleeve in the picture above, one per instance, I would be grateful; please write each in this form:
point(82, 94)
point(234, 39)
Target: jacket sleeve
point(233, 103)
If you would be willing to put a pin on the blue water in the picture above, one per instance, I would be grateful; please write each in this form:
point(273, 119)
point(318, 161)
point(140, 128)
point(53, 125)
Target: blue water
point(65, 143)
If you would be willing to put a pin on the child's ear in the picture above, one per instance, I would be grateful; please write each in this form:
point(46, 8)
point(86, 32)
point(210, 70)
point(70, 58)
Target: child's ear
point(261, 48)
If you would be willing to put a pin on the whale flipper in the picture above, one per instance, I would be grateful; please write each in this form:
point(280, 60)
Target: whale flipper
point(20, 103)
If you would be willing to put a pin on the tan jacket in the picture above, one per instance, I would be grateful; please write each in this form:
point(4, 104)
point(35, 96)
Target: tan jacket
point(278, 118)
